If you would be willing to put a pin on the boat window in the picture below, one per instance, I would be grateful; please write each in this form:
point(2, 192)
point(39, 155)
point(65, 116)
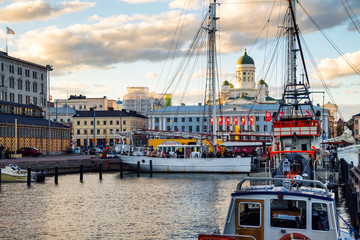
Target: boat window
point(250, 214)
point(173, 149)
point(288, 213)
point(320, 217)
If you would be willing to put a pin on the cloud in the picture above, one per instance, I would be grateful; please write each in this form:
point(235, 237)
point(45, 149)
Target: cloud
point(20, 11)
point(330, 84)
point(60, 88)
point(103, 43)
point(351, 92)
point(151, 75)
point(335, 68)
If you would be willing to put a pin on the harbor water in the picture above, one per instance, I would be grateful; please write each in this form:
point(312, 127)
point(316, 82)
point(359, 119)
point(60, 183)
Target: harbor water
point(166, 206)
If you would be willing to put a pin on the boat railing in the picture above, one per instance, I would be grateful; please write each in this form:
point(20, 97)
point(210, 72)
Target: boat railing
point(282, 180)
point(225, 236)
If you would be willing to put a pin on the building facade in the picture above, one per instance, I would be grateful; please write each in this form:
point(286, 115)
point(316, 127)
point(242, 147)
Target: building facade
point(98, 128)
point(82, 103)
point(22, 82)
point(23, 125)
point(356, 128)
point(196, 119)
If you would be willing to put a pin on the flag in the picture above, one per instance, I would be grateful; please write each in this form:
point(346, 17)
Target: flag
point(267, 116)
point(243, 121)
point(308, 114)
point(236, 121)
point(212, 121)
point(281, 114)
point(252, 120)
point(9, 31)
point(220, 121)
point(228, 121)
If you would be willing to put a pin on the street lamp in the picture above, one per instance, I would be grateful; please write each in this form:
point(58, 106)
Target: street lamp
point(94, 126)
point(49, 68)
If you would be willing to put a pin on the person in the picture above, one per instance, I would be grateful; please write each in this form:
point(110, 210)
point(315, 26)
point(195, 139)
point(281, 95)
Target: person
point(2, 148)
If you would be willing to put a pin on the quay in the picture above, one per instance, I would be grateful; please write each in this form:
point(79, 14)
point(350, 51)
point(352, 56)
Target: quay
point(66, 163)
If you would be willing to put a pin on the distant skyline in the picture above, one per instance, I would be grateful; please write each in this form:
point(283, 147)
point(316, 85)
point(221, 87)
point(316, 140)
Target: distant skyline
point(98, 48)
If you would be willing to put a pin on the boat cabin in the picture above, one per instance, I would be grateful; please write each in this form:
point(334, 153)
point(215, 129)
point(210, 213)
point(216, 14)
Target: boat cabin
point(289, 211)
point(183, 151)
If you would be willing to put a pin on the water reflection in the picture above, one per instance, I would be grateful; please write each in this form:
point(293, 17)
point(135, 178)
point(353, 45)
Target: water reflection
point(176, 206)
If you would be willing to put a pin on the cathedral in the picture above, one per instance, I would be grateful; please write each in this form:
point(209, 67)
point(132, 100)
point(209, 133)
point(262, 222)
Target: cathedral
point(246, 90)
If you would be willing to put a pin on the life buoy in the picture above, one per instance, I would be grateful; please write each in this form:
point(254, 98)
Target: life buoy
point(290, 236)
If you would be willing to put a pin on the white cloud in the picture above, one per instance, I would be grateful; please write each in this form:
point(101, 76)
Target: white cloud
point(20, 11)
point(335, 68)
point(318, 84)
point(151, 75)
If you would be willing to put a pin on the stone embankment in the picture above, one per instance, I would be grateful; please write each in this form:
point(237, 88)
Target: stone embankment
point(66, 163)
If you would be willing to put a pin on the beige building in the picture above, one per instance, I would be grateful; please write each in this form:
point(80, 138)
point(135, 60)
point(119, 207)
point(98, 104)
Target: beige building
point(82, 103)
point(106, 124)
point(333, 118)
point(356, 122)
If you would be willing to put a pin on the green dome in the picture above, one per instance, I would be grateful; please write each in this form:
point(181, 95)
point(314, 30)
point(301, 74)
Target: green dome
point(231, 86)
point(245, 60)
point(225, 83)
point(261, 82)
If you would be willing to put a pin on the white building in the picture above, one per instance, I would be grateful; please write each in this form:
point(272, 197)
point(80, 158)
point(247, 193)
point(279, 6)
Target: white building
point(22, 81)
point(83, 103)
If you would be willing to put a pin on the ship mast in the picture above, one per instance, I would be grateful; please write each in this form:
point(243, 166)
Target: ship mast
point(212, 30)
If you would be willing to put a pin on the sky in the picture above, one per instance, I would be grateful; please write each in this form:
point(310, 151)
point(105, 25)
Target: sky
point(99, 47)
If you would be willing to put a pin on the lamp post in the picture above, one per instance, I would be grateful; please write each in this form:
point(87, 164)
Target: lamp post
point(94, 127)
point(49, 69)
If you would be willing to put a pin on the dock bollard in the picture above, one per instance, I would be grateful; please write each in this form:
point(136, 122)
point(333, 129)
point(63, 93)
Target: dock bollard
point(138, 168)
point(81, 173)
point(29, 177)
point(150, 168)
point(100, 171)
point(56, 174)
point(121, 170)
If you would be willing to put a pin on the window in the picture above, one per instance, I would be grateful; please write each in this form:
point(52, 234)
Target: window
point(176, 128)
point(257, 118)
point(249, 214)
point(2, 66)
point(356, 122)
point(85, 122)
point(257, 128)
point(183, 128)
point(175, 120)
point(183, 119)
point(197, 119)
point(78, 131)
point(104, 131)
point(104, 122)
point(20, 84)
point(111, 122)
point(156, 119)
point(124, 122)
point(12, 97)
point(97, 131)
point(205, 129)
point(27, 73)
point(27, 85)
point(85, 131)
point(168, 128)
point(97, 122)
point(12, 82)
point(117, 122)
point(265, 128)
point(42, 89)
point(19, 71)
point(100, 106)
point(205, 119)
point(42, 76)
point(92, 131)
point(190, 128)
point(320, 218)
point(80, 106)
point(34, 87)
point(34, 75)
point(288, 213)
point(27, 99)
point(197, 128)
point(78, 123)
point(167, 119)
point(92, 123)
point(11, 69)
point(19, 98)
point(190, 119)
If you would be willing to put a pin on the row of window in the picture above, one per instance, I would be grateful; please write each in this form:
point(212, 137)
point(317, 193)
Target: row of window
point(33, 132)
point(20, 98)
point(98, 131)
point(20, 71)
point(111, 122)
point(205, 128)
point(197, 119)
point(20, 85)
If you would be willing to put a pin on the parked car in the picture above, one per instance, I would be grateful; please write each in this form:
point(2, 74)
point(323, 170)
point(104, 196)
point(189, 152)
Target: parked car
point(29, 151)
point(93, 151)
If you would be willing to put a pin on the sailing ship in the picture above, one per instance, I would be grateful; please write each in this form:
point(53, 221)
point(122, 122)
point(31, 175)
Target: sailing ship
point(194, 158)
point(290, 205)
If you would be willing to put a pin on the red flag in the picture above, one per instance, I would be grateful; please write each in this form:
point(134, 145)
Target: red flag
point(281, 114)
point(267, 116)
point(243, 121)
point(220, 121)
point(308, 114)
point(252, 120)
point(228, 121)
point(236, 121)
point(212, 121)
